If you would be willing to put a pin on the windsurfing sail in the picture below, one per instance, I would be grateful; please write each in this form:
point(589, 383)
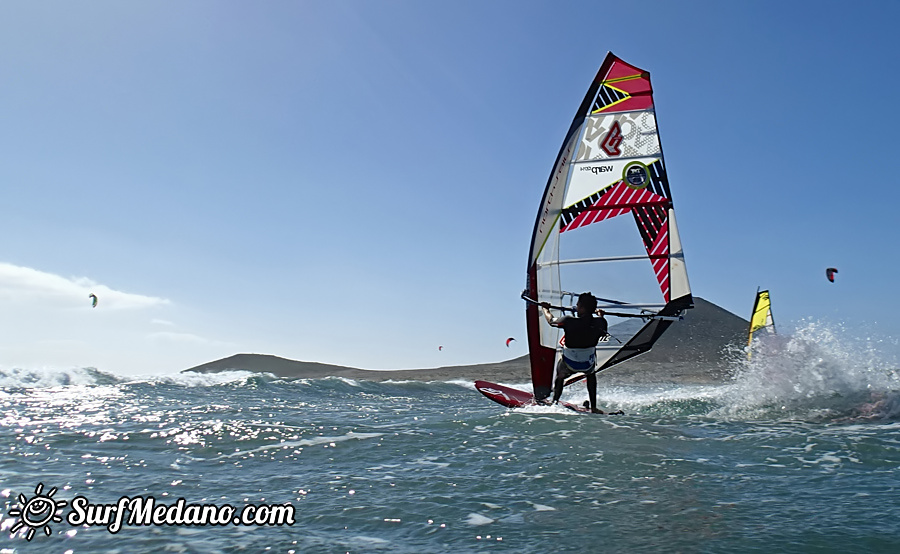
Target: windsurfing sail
point(606, 224)
point(761, 317)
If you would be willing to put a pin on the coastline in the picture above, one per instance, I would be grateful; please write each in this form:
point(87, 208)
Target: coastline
point(510, 371)
point(696, 351)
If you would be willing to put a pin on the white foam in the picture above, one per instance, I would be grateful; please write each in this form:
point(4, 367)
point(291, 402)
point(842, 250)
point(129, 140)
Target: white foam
point(193, 379)
point(364, 540)
point(816, 364)
point(42, 378)
point(478, 519)
point(329, 441)
point(351, 382)
point(45, 377)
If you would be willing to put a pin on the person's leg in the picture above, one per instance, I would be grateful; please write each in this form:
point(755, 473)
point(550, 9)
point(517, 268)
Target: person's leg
point(592, 391)
point(562, 371)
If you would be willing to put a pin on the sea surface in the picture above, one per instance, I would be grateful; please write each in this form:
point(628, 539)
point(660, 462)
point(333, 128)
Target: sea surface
point(800, 452)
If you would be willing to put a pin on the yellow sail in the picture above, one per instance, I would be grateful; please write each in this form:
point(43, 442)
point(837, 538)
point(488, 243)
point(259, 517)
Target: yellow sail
point(761, 318)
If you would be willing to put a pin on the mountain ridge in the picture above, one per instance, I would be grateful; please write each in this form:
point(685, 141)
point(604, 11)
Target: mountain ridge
point(693, 351)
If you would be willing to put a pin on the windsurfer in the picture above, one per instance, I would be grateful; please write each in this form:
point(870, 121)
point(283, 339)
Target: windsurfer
point(580, 342)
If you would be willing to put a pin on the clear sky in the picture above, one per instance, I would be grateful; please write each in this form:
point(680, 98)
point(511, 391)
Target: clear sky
point(355, 182)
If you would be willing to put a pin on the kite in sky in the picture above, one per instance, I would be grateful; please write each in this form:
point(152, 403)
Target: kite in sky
point(509, 340)
point(830, 273)
point(93, 298)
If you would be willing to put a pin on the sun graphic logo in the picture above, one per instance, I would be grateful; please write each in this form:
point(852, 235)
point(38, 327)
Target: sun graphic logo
point(37, 512)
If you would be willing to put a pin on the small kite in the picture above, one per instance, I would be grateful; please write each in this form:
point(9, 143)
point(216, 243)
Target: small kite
point(830, 273)
point(93, 298)
point(440, 348)
point(509, 340)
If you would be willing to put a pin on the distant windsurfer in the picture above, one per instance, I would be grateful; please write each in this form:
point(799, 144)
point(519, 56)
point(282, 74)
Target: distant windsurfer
point(580, 342)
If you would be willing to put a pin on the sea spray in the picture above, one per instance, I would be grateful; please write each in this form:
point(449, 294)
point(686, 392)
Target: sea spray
point(46, 377)
point(817, 371)
point(49, 377)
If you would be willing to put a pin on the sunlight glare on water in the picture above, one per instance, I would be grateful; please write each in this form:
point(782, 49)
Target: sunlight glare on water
point(800, 451)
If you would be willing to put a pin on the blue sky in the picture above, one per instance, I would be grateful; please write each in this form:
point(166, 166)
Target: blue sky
point(355, 182)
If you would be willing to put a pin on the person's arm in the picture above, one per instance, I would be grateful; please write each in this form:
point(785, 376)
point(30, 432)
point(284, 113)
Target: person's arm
point(604, 325)
point(545, 307)
point(547, 315)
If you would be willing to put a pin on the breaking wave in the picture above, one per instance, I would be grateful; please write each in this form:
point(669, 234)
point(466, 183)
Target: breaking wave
point(819, 371)
point(43, 378)
point(12, 379)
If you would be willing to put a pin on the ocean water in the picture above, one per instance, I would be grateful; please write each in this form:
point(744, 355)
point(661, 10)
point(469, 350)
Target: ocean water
point(799, 453)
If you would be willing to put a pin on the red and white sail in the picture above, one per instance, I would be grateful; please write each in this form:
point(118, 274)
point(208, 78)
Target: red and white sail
point(606, 225)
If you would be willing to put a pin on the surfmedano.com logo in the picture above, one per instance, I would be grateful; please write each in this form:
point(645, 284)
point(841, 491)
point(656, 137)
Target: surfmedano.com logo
point(36, 513)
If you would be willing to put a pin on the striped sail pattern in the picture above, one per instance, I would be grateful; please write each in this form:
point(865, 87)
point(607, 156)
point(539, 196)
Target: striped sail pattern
point(607, 97)
point(618, 200)
point(610, 165)
point(650, 215)
point(658, 249)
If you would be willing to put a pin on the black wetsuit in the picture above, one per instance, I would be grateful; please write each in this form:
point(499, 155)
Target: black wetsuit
point(581, 332)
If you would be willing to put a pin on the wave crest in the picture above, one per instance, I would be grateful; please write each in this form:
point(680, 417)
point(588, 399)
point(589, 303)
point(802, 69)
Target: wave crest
point(821, 368)
point(43, 378)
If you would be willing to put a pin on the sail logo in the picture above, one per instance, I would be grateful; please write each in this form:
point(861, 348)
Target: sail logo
point(636, 175)
point(613, 140)
point(496, 392)
point(598, 169)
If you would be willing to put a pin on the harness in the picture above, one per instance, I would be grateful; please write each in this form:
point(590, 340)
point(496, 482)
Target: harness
point(585, 365)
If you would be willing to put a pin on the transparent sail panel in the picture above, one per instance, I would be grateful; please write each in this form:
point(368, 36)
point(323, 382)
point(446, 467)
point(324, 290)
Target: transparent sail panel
point(630, 279)
point(549, 289)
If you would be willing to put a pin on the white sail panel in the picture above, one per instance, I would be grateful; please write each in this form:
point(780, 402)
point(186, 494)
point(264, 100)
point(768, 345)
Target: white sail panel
point(628, 135)
point(553, 198)
point(680, 286)
point(587, 179)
